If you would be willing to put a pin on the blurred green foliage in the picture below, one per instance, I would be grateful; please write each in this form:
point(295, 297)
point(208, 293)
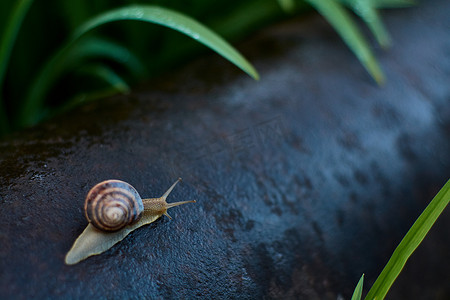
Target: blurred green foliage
point(107, 60)
point(116, 55)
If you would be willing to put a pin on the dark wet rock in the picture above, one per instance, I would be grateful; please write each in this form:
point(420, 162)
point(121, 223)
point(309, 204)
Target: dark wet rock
point(304, 180)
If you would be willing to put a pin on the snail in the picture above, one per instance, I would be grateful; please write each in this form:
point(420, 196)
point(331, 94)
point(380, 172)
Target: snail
point(113, 209)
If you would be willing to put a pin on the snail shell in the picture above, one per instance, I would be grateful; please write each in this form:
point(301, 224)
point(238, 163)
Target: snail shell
point(113, 204)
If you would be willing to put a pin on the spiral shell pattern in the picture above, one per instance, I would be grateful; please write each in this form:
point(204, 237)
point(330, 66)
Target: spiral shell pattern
point(112, 205)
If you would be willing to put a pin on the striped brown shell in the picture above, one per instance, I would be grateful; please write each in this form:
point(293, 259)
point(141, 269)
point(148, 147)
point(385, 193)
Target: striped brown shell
point(112, 205)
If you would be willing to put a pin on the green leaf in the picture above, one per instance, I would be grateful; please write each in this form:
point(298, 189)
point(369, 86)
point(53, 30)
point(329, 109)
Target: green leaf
point(83, 98)
point(287, 5)
point(176, 21)
point(373, 20)
point(368, 12)
point(7, 42)
point(104, 49)
point(10, 34)
point(392, 3)
point(114, 81)
point(409, 243)
point(342, 22)
point(357, 294)
point(106, 74)
point(67, 59)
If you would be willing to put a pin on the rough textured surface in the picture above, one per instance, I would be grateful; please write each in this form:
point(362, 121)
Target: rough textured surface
point(304, 180)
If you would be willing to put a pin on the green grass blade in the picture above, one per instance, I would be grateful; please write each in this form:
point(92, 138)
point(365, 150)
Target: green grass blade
point(65, 60)
point(357, 294)
point(83, 98)
point(104, 49)
point(10, 34)
point(176, 21)
point(409, 243)
point(342, 22)
point(366, 10)
point(288, 6)
point(392, 3)
point(115, 85)
point(373, 20)
point(7, 42)
point(106, 74)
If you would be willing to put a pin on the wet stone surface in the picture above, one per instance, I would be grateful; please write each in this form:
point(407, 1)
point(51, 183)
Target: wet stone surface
point(304, 180)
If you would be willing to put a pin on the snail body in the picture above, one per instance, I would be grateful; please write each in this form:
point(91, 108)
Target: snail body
point(113, 209)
